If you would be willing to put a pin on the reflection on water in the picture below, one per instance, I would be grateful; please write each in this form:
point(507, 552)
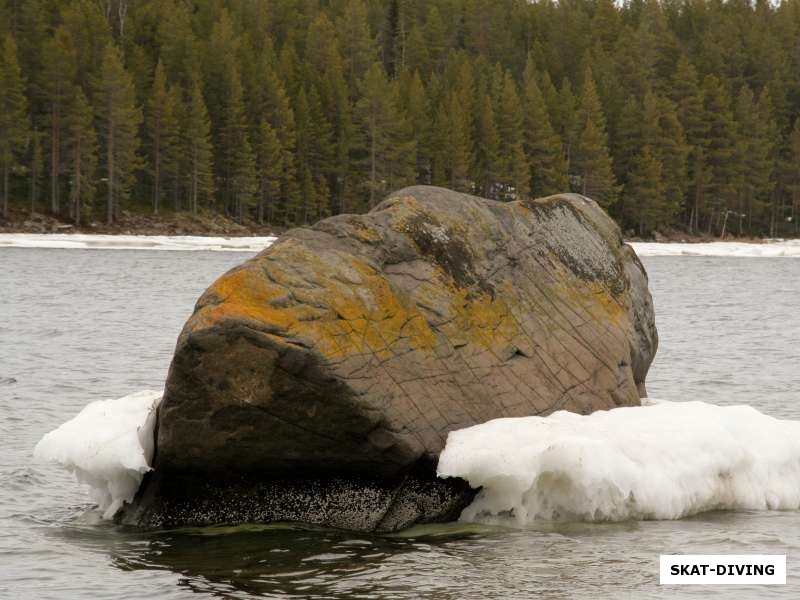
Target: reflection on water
point(81, 326)
point(282, 560)
point(557, 560)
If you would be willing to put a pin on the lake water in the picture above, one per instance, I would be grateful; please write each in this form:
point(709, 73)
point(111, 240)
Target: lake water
point(83, 325)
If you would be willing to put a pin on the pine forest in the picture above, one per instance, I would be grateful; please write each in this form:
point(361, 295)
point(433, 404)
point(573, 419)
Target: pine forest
point(672, 114)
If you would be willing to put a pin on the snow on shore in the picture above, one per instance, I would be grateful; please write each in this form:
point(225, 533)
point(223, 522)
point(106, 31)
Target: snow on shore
point(769, 249)
point(665, 460)
point(108, 445)
point(80, 241)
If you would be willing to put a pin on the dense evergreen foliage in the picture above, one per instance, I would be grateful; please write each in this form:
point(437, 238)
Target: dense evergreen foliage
point(672, 113)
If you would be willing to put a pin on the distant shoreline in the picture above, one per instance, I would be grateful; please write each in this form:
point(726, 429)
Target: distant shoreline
point(215, 225)
point(205, 223)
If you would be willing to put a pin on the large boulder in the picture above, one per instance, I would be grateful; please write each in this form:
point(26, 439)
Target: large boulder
point(318, 380)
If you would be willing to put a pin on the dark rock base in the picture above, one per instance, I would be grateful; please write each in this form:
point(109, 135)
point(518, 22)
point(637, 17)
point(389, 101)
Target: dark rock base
point(352, 503)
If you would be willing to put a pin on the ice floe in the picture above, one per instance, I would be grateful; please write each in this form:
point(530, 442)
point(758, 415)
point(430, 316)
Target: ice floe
point(108, 445)
point(664, 460)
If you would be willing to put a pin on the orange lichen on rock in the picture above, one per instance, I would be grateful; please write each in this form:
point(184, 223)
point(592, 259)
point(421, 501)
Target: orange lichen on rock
point(483, 319)
point(371, 318)
point(343, 320)
point(595, 299)
point(244, 293)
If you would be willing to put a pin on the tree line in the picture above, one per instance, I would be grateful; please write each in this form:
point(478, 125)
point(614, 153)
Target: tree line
point(671, 113)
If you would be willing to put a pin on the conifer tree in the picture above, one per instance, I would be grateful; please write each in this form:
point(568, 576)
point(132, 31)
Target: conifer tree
point(437, 38)
point(746, 122)
point(306, 133)
point(174, 157)
point(14, 125)
point(719, 150)
point(793, 174)
point(439, 143)
point(628, 139)
point(688, 98)
point(418, 57)
point(414, 103)
point(546, 88)
point(60, 70)
point(453, 154)
point(543, 148)
point(220, 64)
point(289, 70)
point(514, 168)
point(651, 124)
point(163, 132)
point(391, 39)
point(198, 149)
point(29, 27)
point(277, 108)
point(82, 151)
point(325, 72)
point(89, 34)
point(321, 207)
point(388, 147)
point(756, 134)
point(308, 191)
point(355, 40)
point(119, 120)
point(592, 161)
point(605, 24)
point(403, 145)
point(179, 49)
point(646, 188)
point(657, 47)
point(673, 152)
point(565, 120)
point(269, 157)
point(238, 161)
point(487, 150)
point(373, 111)
point(36, 164)
point(316, 149)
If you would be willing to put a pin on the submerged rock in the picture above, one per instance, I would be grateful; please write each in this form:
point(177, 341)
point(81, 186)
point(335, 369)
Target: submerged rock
point(318, 381)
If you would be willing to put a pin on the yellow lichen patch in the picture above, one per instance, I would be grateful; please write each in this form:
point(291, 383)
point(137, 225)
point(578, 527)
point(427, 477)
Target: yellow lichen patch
point(344, 319)
point(372, 318)
point(593, 297)
point(245, 293)
point(406, 209)
point(364, 232)
point(607, 302)
point(407, 201)
point(484, 320)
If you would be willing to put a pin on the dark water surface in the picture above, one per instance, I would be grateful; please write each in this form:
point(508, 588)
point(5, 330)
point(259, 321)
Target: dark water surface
point(77, 326)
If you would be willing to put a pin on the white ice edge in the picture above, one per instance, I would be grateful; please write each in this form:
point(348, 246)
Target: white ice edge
point(768, 249)
point(663, 460)
point(79, 241)
point(108, 446)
